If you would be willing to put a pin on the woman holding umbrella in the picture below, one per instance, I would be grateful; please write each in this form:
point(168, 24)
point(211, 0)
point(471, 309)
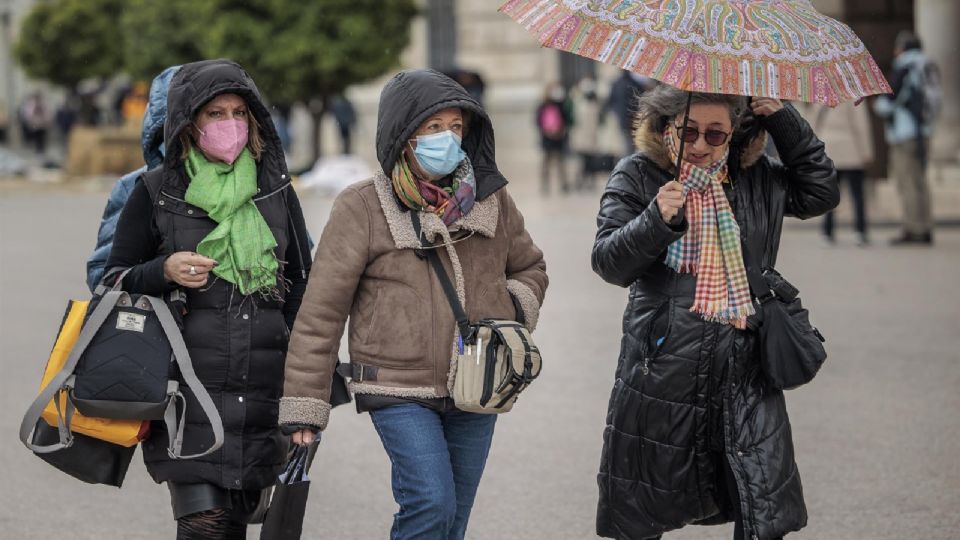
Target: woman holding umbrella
point(694, 434)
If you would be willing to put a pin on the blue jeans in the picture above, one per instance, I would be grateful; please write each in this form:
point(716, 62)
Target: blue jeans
point(437, 460)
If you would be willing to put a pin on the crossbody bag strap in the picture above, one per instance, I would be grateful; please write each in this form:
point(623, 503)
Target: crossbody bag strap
point(429, 251)
point(758, 284)
point(182, 356)
point(56, 385)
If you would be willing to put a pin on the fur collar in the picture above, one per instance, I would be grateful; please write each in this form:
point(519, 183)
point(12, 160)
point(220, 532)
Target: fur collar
point(482, 219)
point(650, 143)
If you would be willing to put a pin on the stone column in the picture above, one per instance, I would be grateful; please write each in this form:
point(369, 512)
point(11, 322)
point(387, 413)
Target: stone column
point(937, 22)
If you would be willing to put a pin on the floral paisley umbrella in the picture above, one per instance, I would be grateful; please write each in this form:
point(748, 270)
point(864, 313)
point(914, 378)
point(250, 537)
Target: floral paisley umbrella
point(781, 49)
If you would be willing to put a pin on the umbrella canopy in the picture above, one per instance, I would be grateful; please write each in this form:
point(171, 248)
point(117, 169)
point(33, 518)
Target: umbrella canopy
point(782, 49)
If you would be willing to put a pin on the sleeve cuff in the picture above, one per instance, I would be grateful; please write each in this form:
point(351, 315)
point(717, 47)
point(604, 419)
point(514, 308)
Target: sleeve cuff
point(673, 229)
point(304, 411)
point(528, 302)
point(784, 126)
point(153, 278)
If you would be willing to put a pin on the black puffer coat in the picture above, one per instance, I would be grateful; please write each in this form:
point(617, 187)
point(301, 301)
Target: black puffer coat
point(237, 344)
point(678, 408)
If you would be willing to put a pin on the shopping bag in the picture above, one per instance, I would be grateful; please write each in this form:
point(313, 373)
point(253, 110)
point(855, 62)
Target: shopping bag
point(284, 519)
point(90, 460)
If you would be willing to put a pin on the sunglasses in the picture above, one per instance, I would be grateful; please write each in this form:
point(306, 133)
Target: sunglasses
point(714, 137)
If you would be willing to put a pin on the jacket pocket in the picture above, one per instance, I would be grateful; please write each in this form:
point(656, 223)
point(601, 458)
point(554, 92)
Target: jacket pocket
point(397, 333)
point(657, 334)
point(493, 302)
point(363, 315)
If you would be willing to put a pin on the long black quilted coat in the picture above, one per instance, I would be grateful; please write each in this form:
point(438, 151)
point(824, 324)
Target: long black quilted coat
point(237, 344)
point(680, 407)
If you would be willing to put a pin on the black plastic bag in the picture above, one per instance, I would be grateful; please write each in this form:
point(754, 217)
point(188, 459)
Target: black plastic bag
point(91, 460)
point(284, 519)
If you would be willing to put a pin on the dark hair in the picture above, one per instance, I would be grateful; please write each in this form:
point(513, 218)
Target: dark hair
point(664, 103)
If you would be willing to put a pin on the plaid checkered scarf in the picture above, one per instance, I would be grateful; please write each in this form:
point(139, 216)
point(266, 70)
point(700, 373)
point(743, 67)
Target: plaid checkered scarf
point(711, 247)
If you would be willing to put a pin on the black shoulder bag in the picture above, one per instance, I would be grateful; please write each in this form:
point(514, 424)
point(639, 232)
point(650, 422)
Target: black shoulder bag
point(791, 349)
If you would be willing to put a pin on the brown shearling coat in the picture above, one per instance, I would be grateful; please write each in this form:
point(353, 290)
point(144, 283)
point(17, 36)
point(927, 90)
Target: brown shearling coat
point(402, 329)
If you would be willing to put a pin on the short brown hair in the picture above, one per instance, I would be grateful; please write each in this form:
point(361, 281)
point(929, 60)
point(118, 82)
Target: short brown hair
point(254, 139)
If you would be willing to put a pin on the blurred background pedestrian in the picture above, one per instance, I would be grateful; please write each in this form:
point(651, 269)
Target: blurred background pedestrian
point(910, 114)
point(623, 102)
point(585, 134)
point(554, 119)
point(346, 117)
point(845, 130)
point(34, 122)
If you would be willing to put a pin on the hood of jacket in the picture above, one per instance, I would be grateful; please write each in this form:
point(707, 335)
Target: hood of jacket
point(193, 86)
point(412, 96)
point(649, 142)
point(151, 136)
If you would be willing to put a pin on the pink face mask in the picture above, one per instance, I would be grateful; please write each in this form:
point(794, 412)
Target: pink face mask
point(224, 139)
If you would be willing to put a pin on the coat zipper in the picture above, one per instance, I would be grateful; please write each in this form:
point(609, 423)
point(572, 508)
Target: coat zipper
point(746, 511)
point(663, 309)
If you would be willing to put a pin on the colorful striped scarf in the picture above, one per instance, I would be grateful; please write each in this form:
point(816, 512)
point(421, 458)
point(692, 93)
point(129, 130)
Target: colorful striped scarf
point(450, 202)
point(711, 247)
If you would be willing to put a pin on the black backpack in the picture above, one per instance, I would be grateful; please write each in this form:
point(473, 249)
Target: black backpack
point(125, 365)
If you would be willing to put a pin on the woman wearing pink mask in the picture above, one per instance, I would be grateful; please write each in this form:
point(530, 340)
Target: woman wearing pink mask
point(219, 226)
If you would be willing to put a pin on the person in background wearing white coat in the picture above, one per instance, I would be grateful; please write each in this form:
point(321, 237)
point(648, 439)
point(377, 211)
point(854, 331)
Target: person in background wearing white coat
point(845, 130)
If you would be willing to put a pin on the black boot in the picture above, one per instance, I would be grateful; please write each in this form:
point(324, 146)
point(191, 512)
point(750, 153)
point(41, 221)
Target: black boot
point(912, 239)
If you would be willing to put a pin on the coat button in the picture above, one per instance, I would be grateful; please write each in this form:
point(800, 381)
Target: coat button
point(190, 212)
point(237, 483)
point(240, 399)
point(245, 316)
point(739, 453)
point(283, 176)
point(161, 202)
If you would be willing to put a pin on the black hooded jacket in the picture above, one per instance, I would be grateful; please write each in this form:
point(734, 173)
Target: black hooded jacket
point(237, 343)
point(410, 98)
point(688, 393)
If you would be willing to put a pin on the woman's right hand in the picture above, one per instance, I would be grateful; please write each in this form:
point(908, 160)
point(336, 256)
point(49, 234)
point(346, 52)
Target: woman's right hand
point(670, 200)
point(303, 437)
point(188, 269)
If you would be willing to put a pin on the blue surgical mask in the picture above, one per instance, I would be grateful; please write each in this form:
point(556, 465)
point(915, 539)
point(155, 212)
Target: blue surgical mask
point(439, 154)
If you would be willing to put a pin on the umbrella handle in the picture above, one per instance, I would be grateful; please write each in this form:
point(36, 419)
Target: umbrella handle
point(686, 117)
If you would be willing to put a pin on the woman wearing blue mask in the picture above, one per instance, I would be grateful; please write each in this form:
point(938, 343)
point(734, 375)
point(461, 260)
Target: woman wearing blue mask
point(435, 146)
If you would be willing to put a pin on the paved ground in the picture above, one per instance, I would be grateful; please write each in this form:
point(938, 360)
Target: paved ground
point(877, 433)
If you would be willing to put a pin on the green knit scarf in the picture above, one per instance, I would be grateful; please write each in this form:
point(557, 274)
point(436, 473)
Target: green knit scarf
point(242, 243)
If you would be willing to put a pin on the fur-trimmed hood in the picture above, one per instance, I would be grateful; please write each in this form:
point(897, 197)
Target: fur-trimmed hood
point(649, 142)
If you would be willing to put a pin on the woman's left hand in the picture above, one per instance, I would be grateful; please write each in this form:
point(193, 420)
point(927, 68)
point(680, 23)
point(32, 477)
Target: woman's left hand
point(763, 106)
